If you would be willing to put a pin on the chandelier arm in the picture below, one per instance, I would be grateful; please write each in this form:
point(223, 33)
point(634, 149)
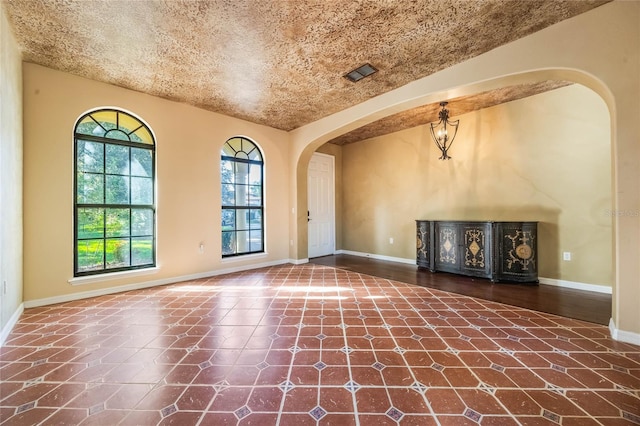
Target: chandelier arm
point(453, 124)
point(433, 135)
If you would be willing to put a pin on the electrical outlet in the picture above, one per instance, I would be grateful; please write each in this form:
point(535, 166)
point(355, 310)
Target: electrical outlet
point(566, 255)
point(390, 240)
point(201, 247)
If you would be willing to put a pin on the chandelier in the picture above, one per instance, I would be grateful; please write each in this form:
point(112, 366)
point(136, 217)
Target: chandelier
point(444, 131)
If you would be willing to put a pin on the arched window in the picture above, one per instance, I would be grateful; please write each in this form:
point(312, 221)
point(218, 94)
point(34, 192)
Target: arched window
point(241, 170)
point(114, 220)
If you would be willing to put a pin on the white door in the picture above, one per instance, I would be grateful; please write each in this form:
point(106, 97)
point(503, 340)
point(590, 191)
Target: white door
point(320, 201)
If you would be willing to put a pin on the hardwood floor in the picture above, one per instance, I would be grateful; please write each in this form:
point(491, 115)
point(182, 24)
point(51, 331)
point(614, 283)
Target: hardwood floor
point(584, 305)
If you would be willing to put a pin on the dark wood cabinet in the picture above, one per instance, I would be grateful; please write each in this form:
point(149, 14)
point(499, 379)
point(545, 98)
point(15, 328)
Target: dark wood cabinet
point(500, 251)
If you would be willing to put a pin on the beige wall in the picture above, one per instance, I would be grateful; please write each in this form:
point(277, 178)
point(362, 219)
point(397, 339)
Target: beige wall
point(10, 175)
point(587, 49)
point(545, 158)
point(188, 143)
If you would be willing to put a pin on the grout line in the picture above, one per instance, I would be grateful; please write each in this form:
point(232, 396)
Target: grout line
point(354, 400)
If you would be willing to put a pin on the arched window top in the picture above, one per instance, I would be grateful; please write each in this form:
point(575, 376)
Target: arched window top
point(114, 124)
point(241, 148)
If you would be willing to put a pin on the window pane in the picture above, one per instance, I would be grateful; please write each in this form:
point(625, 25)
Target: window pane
point(228, 242)
point(242, 220)
point(141, 251)
point(118, 254)
point(117, 222)
point(235, 144)
point(90, 188)
point(142, 135)
point(127, 123)
point(228, 151)
point(89, 127)
point(255, 195)
point(117, 134)
point(242, 198)
point(255, 219)
point(141, 222)
point(117, 159)
point(90, 156)
point(90, 255)
point(141, 190)
point(141, 162)
point(107, 118)
point(256, 240)
point(90, 223)
point(117, 190)
point(226, 171)
point(242, 242)
point(228, 220)
point(242, 173)
point(228, 195)
point(255, 174)
point(255, 155)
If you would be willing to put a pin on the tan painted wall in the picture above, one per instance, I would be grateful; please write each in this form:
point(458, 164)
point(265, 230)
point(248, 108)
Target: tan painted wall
point(545, 158)
point(188, 144)
point(588, 49)
point(10, 173)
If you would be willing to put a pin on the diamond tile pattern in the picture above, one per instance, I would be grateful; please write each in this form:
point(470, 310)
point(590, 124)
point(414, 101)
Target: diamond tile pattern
point(310, 344)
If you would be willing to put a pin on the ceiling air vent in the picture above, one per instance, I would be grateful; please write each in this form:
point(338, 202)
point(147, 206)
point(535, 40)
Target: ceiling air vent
point(360, 73)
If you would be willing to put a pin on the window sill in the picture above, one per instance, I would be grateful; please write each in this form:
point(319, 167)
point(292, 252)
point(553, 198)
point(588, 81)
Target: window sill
point(90, 279)
point(242, 257)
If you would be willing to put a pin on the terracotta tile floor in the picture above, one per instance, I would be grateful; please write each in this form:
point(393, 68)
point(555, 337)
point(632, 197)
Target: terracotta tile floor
point(307, 345)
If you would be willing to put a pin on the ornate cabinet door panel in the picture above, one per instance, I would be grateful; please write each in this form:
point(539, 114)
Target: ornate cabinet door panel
point(424, 251)
point(501, 251)
point(447, 246)
point(517, 250)
point(476, 249)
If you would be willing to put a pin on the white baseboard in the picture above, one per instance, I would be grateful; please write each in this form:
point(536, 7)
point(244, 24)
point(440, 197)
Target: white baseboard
point(623, 336)
point(377, 256)
point(299, 261)
point(6, 330)
point(146, 284)
point(576, 285)
point(547, 281)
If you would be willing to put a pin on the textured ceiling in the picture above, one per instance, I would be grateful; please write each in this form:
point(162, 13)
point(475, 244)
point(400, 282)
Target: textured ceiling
point(457, 106)
point(275, 62)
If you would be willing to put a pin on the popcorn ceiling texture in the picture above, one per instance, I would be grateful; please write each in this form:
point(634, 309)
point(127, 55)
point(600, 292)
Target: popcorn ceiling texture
point(274, 62)
point(457, 106)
